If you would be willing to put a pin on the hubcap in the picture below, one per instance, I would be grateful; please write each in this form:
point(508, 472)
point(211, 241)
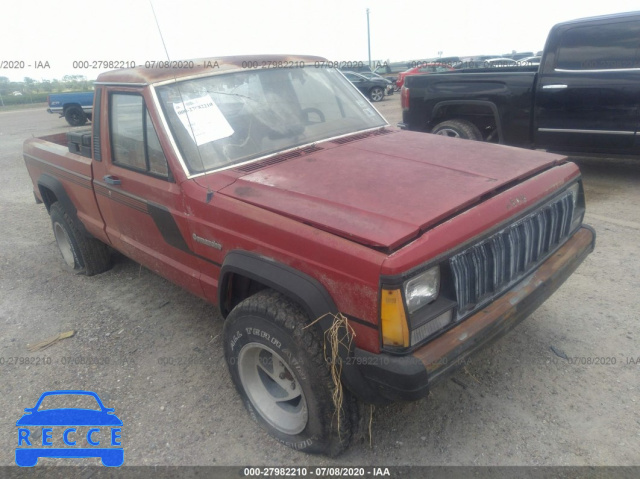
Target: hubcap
point(377, 95)
point(448, 132)
point(64, 244)
point(272, 388)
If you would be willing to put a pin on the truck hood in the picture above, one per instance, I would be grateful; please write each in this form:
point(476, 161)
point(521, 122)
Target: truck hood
point(384, 190)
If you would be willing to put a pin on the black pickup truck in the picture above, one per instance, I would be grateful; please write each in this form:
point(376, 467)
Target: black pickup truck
point(584, 98)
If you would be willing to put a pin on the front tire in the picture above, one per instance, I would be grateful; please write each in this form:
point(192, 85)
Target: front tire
point(376, 93)
point(75, 116)
point(79, 252)
point(458, 129)
point(279, 370)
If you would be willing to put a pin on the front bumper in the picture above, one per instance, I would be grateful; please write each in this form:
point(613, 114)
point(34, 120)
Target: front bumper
point(409, 377)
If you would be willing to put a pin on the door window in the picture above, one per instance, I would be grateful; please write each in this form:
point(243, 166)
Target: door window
point(134, 141)
point(600, 47)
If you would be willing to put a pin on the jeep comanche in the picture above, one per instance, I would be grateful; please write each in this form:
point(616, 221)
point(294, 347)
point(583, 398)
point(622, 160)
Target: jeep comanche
point(331, 242)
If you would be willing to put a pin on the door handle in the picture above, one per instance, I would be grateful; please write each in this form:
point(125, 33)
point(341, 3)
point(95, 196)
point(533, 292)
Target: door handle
point(554, 87)
point(112, 180)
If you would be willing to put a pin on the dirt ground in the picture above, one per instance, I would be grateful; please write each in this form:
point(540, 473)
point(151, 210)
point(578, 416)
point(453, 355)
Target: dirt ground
point(516, 403)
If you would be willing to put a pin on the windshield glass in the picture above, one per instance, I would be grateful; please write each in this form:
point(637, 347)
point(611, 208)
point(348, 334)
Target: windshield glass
point(227, 119)
point(63, 401)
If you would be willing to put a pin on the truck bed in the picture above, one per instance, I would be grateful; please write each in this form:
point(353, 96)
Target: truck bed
point(48, 157)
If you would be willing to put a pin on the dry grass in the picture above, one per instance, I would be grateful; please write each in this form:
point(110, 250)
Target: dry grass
point(45, 343)
point(340, 334)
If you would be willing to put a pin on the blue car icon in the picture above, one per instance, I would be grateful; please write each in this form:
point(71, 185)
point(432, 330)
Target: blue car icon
point(71, 418)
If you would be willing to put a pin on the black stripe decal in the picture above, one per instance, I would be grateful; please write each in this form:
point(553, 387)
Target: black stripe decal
point(162, 217)
point(123, 198)
point(168, 227)
point(166, 224)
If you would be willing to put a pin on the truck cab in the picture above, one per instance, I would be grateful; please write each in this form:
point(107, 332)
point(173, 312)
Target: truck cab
point(587, 97)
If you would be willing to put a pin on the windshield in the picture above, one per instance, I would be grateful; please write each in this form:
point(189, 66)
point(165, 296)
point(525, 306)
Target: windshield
point(227, 119)
point(63, 401)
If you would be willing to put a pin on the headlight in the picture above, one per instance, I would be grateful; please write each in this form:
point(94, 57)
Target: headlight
point(423, 289)
point(578, 210)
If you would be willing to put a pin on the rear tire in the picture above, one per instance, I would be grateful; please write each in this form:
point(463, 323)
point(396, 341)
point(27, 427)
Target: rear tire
point(279, 370)
point(79, 252)
point(458, 129)
point(75, 116)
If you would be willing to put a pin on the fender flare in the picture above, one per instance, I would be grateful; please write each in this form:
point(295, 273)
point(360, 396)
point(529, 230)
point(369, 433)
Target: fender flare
point(56, 186)
point(492, 106)
point(298, 286)
point(306, 291)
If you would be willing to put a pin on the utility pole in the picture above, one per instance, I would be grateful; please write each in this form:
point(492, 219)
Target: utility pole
point(368, 38)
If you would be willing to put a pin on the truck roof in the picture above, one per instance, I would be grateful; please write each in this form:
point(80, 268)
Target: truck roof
point(167, 70)
point(610, 16)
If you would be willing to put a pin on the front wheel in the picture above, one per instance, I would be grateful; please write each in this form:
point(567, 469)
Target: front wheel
point(279, 370)
point(376, 93)
point(458, 129)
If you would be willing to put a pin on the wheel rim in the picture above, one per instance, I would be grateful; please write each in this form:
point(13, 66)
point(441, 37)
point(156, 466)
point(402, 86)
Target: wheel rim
point(377, 94)
point(272, 388)
point(64, 244)
point(448, 132)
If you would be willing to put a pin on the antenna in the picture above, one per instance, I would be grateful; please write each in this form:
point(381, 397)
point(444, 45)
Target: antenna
point(155, 17)
point(164, 45)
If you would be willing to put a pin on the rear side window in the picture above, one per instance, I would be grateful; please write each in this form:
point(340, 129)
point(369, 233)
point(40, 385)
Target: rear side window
point(134, 141)
point(612, 46)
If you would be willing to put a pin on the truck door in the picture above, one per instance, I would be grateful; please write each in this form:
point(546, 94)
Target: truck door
point(138, 197)
point(588, 92)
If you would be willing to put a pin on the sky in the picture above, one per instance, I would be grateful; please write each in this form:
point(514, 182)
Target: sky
point(53, 34)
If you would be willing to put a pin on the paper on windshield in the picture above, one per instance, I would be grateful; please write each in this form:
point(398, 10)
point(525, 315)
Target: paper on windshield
point(203, 120)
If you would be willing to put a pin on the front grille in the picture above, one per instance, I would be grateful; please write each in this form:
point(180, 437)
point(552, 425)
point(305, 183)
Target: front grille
point(490, 267)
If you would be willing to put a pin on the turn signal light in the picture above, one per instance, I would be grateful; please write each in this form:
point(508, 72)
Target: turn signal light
point(395, 331)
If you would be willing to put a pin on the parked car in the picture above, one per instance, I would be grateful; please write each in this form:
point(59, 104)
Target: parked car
point(518, 55)
point(393, 68)
point(374, 76)
point(426, 68)
point(374, 88)
point(76, 108)
point(583, 98)
point(499, 62)
point(347, 258)
point(535, 60)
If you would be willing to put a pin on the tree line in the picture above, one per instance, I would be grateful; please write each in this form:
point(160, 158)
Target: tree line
point(30, 90)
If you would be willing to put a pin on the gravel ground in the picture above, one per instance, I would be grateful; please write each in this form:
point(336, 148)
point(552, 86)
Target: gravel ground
point(515, 403)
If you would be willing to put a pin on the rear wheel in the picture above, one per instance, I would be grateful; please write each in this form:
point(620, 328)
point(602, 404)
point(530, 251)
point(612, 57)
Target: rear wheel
point(458, 129)
point(75, 116)
point(79, 252)
point(280, 372)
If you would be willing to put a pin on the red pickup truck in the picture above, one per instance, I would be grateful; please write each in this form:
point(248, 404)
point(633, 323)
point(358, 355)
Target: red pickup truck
point(346, 256)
